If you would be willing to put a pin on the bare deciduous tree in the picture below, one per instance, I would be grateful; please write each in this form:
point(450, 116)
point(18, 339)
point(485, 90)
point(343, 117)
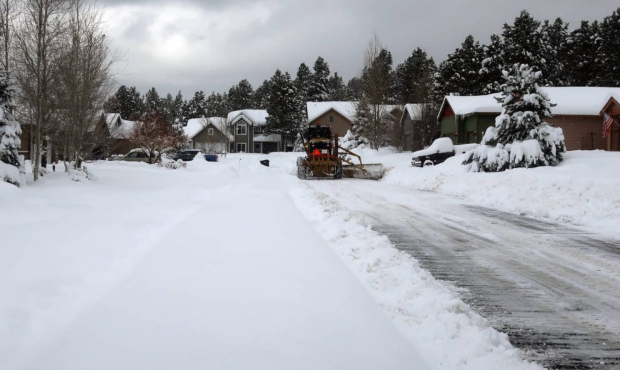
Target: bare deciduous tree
point(84, 79)
point(37, 42)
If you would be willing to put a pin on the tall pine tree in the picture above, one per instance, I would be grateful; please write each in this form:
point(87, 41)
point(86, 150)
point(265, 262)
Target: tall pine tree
point(319, 85)
point(284, 108)
point(241, 96)
point(460, 73)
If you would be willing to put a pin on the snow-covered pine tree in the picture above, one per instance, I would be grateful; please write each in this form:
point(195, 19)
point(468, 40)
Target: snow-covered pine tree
point(152, 101)
point(409, 75)
point(284, 108)
point(520, 138)
point(303, 81)
point(337, 88)
point(261, 95)
point(459, 73)
point(582, 59)
point(319, 86)
point(217, 106)
point(555, 37)
point(196, 107)
point(240, 96)
point(361, 124)
point(492, 65)
point(524, 43)
point(11, 163)
point(608, 51)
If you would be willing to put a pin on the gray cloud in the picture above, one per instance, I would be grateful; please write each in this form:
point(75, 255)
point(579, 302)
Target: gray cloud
point(211, 45)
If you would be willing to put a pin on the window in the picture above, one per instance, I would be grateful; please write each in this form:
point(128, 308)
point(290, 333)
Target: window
point(240, 147)
point(257, 129)
point(210, 131)
point(331, 118)
point(242, 129)
point(132, 155)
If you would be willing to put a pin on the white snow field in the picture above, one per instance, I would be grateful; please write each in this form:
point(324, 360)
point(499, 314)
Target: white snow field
point(233, 265)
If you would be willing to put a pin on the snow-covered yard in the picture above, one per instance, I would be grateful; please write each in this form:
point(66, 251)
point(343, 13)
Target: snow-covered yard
point(233, 265)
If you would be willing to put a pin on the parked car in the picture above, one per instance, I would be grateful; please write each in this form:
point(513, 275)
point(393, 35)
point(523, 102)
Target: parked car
point(186, 155)
point(211, 157)
point(135, 155)
point(440, 150)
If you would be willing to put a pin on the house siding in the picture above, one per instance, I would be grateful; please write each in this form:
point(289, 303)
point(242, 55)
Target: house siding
point(248, 138)
point(580, 132)
point(339, 124)
point(215, 143)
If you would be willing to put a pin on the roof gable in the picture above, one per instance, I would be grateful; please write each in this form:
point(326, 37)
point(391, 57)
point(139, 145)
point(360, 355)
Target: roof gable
point(257, 117)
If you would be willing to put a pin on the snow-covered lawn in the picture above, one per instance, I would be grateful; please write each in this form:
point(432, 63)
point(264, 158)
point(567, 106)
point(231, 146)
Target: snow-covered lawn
point(234, 265)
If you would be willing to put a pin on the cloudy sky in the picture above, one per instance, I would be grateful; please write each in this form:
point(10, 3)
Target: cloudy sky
point(210, 45)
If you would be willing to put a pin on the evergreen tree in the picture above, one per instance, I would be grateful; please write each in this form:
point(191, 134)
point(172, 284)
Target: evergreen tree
point(126, 101)
point(524, 43)
point(460, 73)
point(284, 108)
point(492, 64)
point(520, 138)
point(11, 163)
point(337, 88)
point(152, 101)
point(409, 75)
point(319, 85)
point(217, 105)
point(177, 109)
point(609, 50)
point(583, 65)
point(355, 89)
point(361, 125)
point(196, 107)
point(555, 37)
point(167, 108)
point(303, 82)
point(378, 79)
point(261, 96)
point(241, 96)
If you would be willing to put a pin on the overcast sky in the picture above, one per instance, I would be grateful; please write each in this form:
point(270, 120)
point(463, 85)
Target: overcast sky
point(211, 45)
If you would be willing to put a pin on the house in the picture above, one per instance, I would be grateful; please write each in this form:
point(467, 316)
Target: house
point(119, 133)
point(339, 115)
point(208, 134)
point(413, 135)
point(578, 111)
point(247, 129)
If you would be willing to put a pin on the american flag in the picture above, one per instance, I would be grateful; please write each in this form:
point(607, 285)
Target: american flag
point(609, 120)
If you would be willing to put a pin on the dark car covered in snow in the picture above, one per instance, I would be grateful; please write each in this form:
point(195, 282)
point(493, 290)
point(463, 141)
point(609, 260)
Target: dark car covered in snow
point(440, 150)
point(186, 155)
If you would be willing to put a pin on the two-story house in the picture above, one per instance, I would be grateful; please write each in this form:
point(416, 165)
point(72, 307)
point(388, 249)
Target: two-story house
point(247, 129)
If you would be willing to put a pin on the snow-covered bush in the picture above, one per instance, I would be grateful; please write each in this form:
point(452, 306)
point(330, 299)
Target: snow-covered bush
point(10, 142)
point(350, 141)
point(520, 138)
point(171, 164)
point(77, 174)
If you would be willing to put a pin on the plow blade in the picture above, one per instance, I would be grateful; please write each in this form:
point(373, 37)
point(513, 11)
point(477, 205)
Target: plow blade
point(365, 171)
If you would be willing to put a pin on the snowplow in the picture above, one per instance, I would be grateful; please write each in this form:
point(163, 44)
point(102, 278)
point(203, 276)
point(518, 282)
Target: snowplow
point(325, 159)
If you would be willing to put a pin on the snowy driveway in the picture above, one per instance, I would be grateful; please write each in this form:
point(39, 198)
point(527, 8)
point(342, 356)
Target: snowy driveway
point(554, 289)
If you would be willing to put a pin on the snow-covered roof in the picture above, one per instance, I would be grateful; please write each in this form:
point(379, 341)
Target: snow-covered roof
point(414, 111)
point(267, 138)
point(119, 128)
point(586, 101)
point(258, 117)
point(316, 109)
point(196, 125)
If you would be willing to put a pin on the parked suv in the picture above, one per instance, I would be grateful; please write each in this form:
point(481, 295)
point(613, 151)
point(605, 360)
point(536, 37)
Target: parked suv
point(186, 155)
point(440, 150)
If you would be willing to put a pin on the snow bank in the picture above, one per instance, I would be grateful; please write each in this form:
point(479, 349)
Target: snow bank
point(447, 332)
point(581, 190)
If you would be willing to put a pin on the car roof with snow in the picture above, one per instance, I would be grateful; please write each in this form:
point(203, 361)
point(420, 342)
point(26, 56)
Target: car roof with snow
point(441, 145)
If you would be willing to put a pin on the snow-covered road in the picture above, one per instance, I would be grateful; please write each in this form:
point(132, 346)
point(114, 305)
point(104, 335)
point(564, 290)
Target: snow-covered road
point(554, 289)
